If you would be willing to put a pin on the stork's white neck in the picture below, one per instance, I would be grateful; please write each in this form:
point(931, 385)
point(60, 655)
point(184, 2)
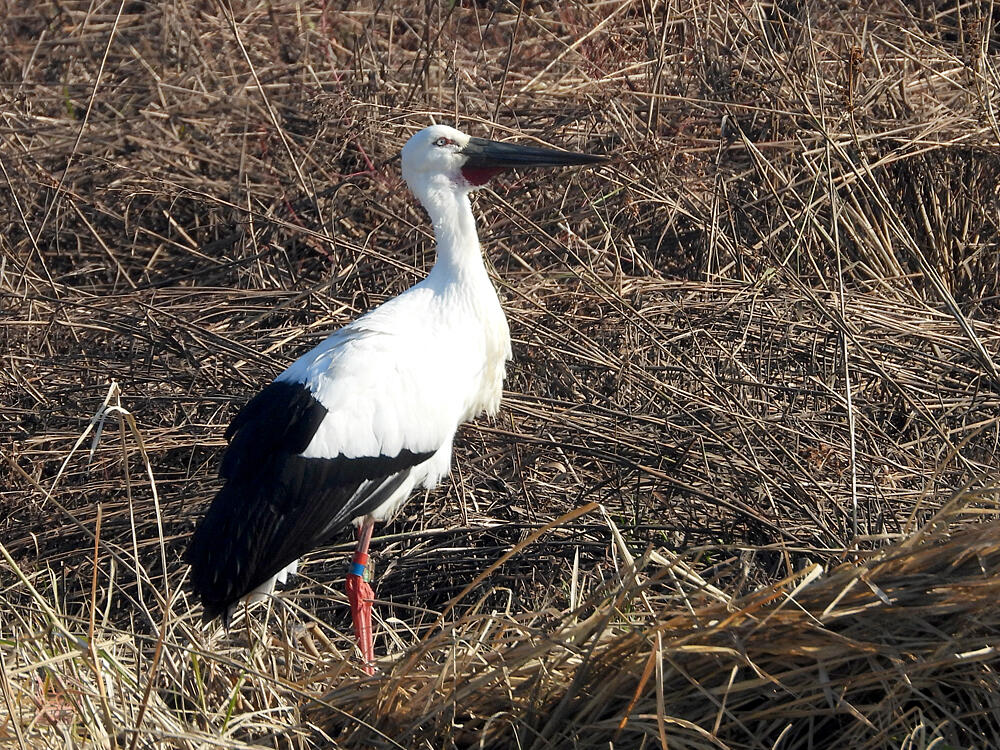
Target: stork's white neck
point(459, 255)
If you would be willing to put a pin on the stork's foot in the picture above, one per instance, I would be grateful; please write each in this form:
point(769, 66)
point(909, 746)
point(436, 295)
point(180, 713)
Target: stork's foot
point(361, 596)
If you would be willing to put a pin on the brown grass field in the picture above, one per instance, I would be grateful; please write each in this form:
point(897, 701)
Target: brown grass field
point(742, 492)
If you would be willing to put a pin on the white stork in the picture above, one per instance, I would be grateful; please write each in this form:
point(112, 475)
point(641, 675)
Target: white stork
point(355, 424)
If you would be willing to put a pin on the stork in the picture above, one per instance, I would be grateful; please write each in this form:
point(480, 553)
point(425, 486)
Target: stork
point(355, 424)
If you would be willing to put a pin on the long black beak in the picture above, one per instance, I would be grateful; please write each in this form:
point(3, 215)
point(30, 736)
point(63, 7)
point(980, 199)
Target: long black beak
point(493, 155)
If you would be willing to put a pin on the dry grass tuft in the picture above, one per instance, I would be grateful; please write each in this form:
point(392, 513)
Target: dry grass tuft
point(868, 654)
point(764, 340)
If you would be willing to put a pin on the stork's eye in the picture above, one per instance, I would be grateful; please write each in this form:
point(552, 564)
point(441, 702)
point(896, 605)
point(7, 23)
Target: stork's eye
point(444, 142)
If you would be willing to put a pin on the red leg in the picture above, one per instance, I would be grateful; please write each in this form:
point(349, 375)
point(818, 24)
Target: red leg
point(361, 596)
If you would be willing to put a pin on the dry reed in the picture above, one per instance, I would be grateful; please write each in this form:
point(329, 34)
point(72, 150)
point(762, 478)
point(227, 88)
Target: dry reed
point(764, 340)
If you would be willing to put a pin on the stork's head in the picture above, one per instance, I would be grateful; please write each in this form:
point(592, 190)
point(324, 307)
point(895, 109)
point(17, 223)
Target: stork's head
point(440, 153)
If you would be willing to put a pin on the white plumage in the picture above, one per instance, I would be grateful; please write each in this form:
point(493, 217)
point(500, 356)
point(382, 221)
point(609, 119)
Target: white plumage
point(408, 373)
point(354, 425)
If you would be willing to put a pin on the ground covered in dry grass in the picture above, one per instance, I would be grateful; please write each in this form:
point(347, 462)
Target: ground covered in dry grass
point(741, 492)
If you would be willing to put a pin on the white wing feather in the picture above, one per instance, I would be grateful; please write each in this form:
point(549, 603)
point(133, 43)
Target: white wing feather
point(404, 376)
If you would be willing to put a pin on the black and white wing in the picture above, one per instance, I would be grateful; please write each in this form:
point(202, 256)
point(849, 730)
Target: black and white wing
point(348, 430)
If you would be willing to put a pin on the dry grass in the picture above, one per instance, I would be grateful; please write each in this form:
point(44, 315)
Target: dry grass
point(763, 341)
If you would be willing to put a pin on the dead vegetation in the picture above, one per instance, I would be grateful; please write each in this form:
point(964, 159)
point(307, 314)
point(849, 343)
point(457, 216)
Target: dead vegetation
point(764, 341)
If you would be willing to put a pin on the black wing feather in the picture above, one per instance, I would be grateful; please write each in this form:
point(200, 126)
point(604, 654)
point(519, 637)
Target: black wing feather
point(276, 505)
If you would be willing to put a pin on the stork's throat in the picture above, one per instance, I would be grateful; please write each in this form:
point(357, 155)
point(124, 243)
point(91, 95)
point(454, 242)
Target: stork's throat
point(479, 176)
